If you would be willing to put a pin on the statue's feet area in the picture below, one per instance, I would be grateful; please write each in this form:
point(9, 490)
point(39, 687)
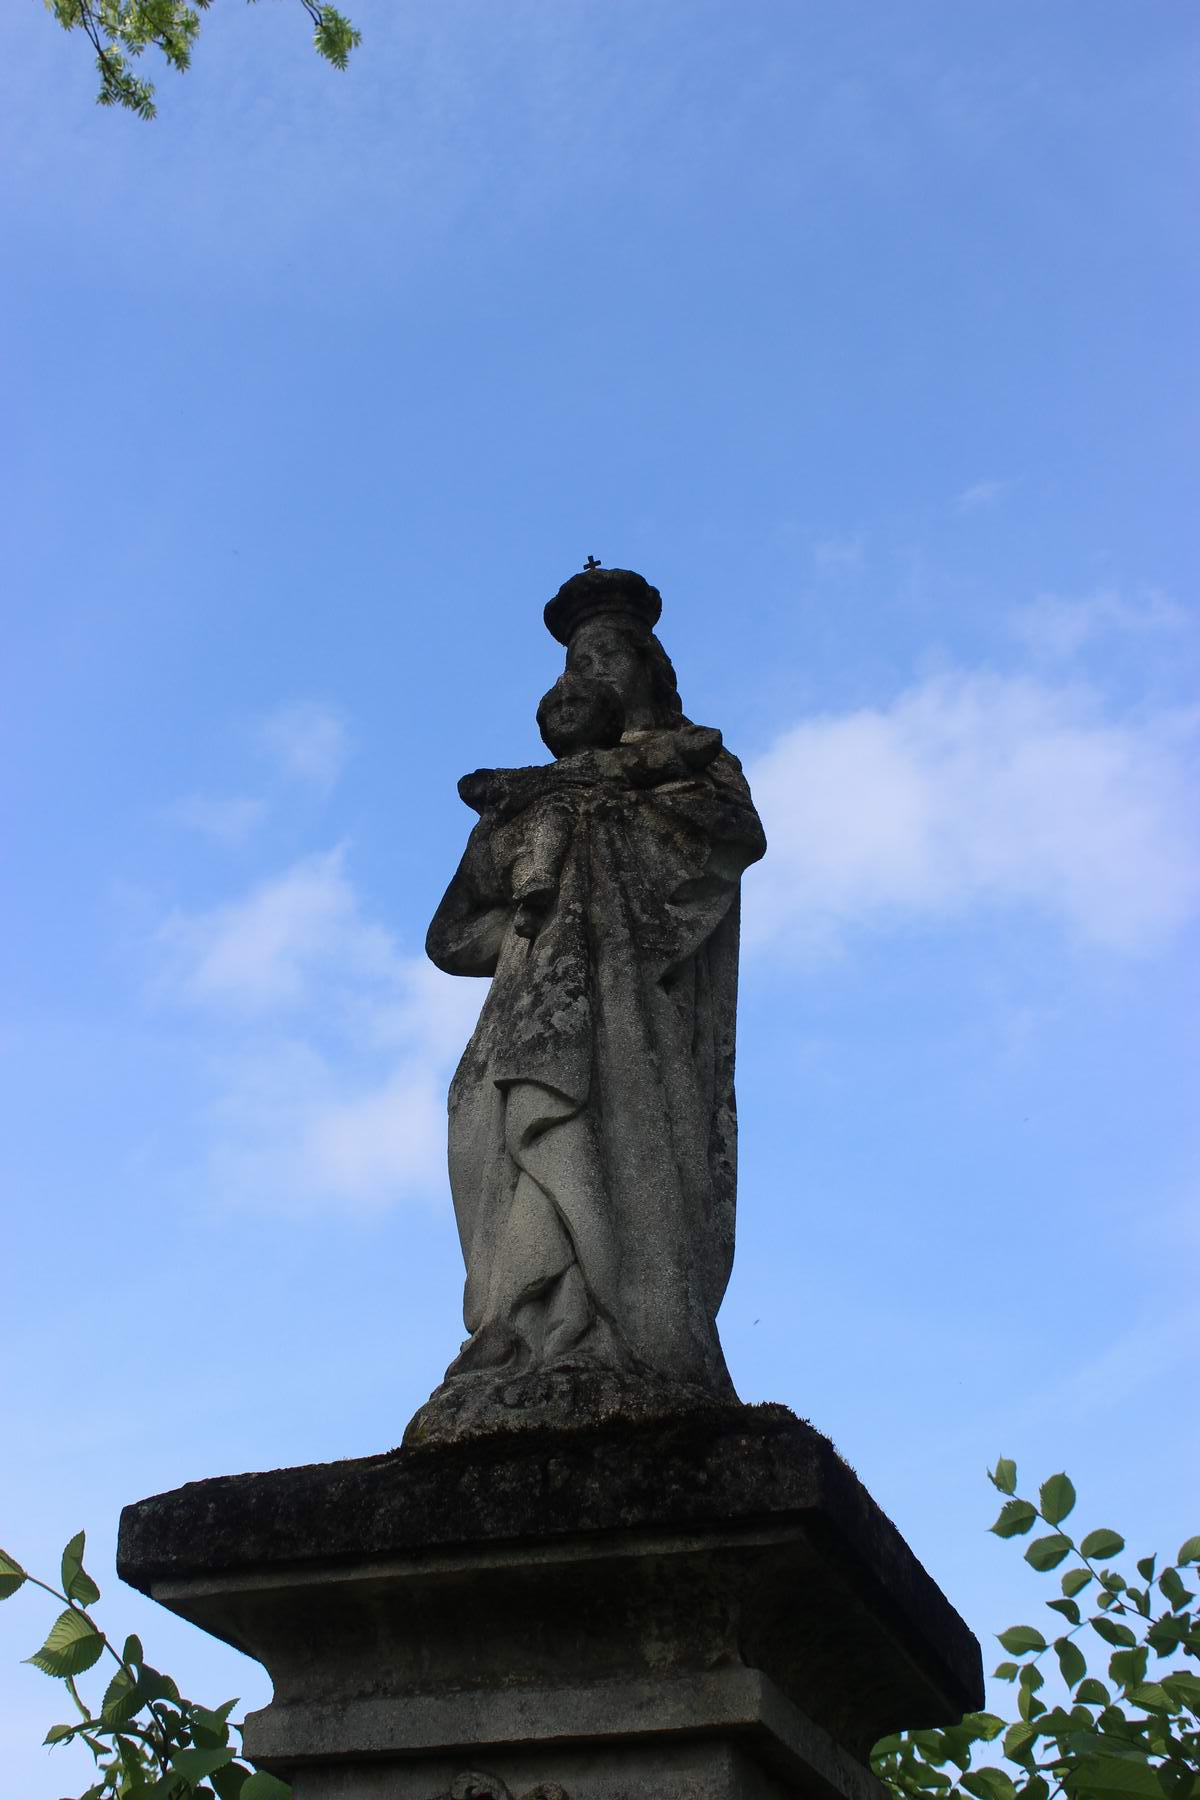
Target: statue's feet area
point(569, 1395)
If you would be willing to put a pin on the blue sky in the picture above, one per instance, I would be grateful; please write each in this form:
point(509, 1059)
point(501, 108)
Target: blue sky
point(867, 335)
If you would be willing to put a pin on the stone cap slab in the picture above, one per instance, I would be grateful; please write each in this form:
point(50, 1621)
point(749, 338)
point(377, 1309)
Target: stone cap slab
point(713, 1470)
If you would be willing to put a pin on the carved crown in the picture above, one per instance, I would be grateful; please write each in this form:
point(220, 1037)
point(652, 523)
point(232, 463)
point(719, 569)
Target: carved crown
point(592, 591)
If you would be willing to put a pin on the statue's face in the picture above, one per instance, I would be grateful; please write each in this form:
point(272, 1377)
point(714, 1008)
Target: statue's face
point(570, 721)
point(606, 653)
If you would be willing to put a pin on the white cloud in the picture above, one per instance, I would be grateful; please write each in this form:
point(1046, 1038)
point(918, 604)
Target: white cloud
point(228, 821)
point(331, 1051)
point(1056, 629)
point(976, 791)
point(298, 1130)
point(268, 950)
point(308, 741)
point(981, 493)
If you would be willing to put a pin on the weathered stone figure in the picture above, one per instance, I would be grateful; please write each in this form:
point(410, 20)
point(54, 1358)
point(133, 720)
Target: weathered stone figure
point(592, 1126)
point(588, 1573)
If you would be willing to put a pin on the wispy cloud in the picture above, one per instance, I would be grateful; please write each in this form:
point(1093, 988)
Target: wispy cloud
point(1055, 628)
point(976, 791)
point(980, 494)
point(1150, 1350)
point(308, 741)
point(231, 820)
point(270, 949)
point(330, 1051)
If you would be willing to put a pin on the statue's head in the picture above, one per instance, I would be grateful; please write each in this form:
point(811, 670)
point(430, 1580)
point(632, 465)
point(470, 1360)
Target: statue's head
point(606, 619)
point(580, 713)
point(618, 595)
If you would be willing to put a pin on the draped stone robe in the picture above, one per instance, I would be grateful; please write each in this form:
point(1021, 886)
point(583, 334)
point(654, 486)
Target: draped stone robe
point(592, 1127)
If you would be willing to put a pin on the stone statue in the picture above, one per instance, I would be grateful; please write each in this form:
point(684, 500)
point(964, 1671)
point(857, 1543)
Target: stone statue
point(592, 1135)
point(588, 1573)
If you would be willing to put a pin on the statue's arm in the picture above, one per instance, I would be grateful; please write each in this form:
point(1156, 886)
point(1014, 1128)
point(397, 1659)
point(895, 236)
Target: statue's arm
point(468, 927)
point(716, 803)
point(524, 787)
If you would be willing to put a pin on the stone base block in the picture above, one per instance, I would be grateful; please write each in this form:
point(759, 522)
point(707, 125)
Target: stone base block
point(729, 1736)
point(695, 1608)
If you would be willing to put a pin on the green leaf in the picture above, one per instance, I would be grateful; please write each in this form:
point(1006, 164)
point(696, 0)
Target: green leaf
point(122, 1699)
point(1151, 1697)
point(1128, 1666)
point(1189, 1551)
point(1004, 1476)
point(984, 1725)
point(77, 1583)
point(1101, 1543)
point(262, 1786)
point(1168, 1633)
point(132, 1653)
point(1071, 1661)
point(335, 37)
point(1057, 1498)
point(73, 1645)
point(221, 1712)
point(196, 1765)
point(208, 1730)
point(229, 1781)
point(1075, 1580)
point(1112, 1778)
point(985, 1784)
point(1112, 1632)
point(156, 1686)
point(1145, 1567)
point(12, 1575)
point(1093, 1693)
point(1015, 1517)
point(1171, 1584)
point(1005, 1671)
point(57, 1733)
point(1047, 1552)
point(1067, 1608)
point(1017, 1738)
point(1020, 1639)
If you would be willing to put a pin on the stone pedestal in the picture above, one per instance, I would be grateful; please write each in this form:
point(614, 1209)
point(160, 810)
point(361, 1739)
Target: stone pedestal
point(703, 1607)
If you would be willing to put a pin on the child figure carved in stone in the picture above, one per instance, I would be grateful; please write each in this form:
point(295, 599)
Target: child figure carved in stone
point(582, 723)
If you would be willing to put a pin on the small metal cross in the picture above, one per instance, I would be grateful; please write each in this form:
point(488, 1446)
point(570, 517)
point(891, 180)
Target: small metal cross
point(591, 563)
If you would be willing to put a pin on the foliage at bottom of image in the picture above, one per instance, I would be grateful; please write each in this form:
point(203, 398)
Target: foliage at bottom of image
point(1127, 1727)
point(145, 1738)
